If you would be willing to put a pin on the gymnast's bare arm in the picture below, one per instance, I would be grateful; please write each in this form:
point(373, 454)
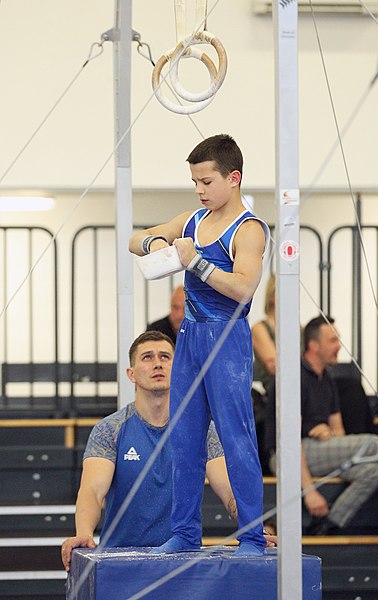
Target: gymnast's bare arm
point(170, 231)
point(216, 472)
point(241, 283)
point(95, 482)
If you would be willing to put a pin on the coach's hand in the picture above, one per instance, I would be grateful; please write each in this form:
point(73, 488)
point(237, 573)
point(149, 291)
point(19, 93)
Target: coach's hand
point(75, 542)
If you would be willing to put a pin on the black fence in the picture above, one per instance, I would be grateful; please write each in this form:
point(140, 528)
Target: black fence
point(35, 381)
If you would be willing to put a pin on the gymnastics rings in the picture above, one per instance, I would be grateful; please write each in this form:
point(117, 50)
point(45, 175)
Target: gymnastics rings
point(184, 50)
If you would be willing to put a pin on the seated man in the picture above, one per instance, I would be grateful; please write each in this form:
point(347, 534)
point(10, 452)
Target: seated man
point(325, 446)
point(118, 449)
point(171, 323)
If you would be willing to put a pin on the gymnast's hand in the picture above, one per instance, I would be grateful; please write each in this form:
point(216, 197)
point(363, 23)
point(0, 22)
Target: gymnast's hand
point(186, 250)
point(75, 542)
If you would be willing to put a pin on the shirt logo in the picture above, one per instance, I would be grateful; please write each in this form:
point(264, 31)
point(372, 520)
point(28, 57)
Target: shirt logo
point(131, 454)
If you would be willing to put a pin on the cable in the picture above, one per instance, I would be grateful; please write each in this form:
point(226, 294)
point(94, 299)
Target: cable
point(308, 192)
point(183, 50)
point(343, 156)
point(151, 60)
point(333, 148)
point(157, 450)
point(368, 11)
point(138, 482)
point(372, 388)
point(88, 188)
point(83, 195)
point(356, 459)
point(110, 156)
point(216, 349)
point(52, 109)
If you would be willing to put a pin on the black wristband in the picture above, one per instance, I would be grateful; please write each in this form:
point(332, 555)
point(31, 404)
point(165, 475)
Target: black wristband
point(147, 241)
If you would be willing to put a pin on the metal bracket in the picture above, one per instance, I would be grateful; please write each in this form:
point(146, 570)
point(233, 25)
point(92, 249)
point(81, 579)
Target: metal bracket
point(111, 35)
point(136, 36)
point(114, 35)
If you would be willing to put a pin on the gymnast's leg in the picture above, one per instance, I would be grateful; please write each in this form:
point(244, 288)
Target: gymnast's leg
point(228, 388)
point(189, 448)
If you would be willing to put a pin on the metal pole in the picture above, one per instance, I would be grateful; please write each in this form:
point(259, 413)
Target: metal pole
point(357, 287)
point(285, 16)
point(121, 35)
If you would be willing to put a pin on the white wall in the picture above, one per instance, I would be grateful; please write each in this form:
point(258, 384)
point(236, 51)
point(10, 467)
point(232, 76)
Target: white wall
point(43, 44)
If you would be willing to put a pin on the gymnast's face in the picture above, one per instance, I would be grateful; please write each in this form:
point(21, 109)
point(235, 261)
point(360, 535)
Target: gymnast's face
point(213, 190)
point(152, 366)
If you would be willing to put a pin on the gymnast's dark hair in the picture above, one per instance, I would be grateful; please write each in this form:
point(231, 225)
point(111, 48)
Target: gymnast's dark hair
point(223, 150)
point(148, 336)
point(312, 329)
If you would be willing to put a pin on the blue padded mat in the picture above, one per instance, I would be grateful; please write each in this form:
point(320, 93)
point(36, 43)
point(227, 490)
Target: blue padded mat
point(122, 574)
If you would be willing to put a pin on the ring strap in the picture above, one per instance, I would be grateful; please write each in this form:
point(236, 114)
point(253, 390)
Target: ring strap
point(183, 28)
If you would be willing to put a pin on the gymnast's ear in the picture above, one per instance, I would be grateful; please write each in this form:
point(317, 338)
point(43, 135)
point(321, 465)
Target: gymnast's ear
point(234, 178)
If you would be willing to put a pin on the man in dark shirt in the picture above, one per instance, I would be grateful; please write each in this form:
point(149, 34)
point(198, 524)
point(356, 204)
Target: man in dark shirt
point(325, 446)
point(170, 324)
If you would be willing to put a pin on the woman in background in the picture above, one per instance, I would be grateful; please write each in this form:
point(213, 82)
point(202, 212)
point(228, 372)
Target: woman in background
point(264, 340)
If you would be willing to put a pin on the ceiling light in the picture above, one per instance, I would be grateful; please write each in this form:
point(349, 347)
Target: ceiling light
point(25, 203)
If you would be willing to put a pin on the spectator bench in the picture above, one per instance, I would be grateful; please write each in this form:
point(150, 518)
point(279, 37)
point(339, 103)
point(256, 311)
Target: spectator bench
point(58, 389)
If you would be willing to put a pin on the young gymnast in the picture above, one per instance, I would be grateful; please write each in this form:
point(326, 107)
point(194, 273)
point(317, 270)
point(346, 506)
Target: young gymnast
point(221, 247)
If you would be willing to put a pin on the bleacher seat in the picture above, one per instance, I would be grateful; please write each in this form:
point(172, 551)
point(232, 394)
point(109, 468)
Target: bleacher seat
point(54, 404)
